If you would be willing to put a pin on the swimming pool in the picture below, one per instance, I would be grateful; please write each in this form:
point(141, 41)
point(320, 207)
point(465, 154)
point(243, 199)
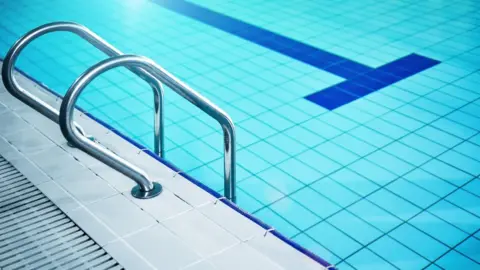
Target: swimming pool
point(385, 178)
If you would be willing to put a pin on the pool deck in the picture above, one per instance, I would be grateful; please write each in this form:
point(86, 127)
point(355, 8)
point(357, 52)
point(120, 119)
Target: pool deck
point(183, 228)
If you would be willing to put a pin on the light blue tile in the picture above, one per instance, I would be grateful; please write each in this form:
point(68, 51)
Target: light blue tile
point(390, 162)
point(292, 113)
point(337, 121)
point(454, 128)
point(310, 244)
point(439, 136)
point(184, 160)
point(319, 162)
point(245, 137)
point(257, 128)
point(251, 161)
point(438, 228)
point(321, 128)
point(418, 241)
point(423, 145)
point(354, 182)
point(354, 227)
point(475, 139)
point(375, 215)
point(394, 204)
point(298, 215)
point(304, 136)
point(300, 171)
point(196, 126)
point(430, 182)
point(460, 161)
point(473, 187)
point(274, 120)
point(260, 190)
point(353, 144)
point(418, 114)
point(249, 107)
point(402, 120)
point(208, 177)
point(466, 120)
point(286, 144)
point(469, 149)
point(455, 260)
point(397, 254)
point(274, 220)
point(447, 172)
point(466, 200)
point(336, 153)
point(268, 152)
point(432, 106)
point(456, 216)
point(406, 153)
point(316, 202)
point(247, 202)
point(366, 259)
point(470, 248)
point(372, 137)
point(335, 192)
point(372, 172)
point(334, 240)
point(281, 180)
point(179, 135)
point(412, 193)
point(387, 129)
point(202, 151)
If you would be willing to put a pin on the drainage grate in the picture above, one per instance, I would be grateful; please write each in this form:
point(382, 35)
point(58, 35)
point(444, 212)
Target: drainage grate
point(36, 234)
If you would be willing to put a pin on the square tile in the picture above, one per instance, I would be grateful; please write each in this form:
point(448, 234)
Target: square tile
point(277, 222)
point(156, 244)
point(294, 212)
point(418, 241)
point(412, 193)
point(456, 216)
point(438, 228)
point(394, 204)
point(454, 259)
point(402, 258)
point(242, 256)
point(355, 227)
point(200, 233)
point(300, 171)
point(336, 192)
point(113, 210)
point(366, 259)
point(430, 182)
point(354, 182)
point(333, 239)
point(281, 180)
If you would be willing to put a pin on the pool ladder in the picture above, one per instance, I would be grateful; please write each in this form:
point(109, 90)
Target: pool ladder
point(143, 67)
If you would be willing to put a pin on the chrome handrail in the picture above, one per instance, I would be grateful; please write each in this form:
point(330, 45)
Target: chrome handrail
point(42, 107)
point(73, 136)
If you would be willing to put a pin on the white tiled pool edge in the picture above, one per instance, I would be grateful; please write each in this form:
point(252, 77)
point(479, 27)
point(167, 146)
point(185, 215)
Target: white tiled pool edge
point(185, 220)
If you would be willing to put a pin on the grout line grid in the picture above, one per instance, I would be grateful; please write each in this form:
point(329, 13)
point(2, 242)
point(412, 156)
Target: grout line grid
point(308, 171)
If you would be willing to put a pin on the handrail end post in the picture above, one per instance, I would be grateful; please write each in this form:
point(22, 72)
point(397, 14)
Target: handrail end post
point(139, 193)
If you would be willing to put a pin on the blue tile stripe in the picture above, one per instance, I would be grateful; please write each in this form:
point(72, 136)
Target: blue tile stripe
point(361, 79)
point(212, 192)
point(364, 84)
point(302, 52)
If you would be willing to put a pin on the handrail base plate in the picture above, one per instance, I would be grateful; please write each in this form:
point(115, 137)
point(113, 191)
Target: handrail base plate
point(154, 192)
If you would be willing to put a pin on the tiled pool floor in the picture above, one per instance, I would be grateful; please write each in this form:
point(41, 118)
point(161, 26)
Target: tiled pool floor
point(384, 180)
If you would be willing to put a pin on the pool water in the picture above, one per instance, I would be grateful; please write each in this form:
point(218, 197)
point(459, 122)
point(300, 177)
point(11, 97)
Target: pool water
point(357, 121)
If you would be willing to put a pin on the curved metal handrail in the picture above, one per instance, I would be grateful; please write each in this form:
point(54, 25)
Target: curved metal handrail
point(72, 135)
point(42, 107)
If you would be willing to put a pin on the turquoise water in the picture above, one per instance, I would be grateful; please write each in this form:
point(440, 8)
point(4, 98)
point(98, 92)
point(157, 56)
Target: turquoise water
point(390, 180)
